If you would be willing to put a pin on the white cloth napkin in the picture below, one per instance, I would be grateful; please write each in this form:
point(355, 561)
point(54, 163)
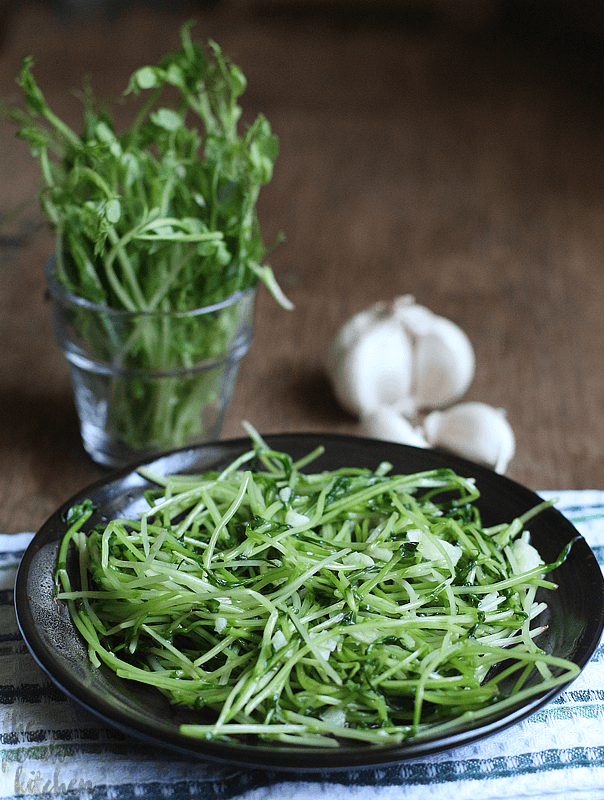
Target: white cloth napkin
point(51, 748)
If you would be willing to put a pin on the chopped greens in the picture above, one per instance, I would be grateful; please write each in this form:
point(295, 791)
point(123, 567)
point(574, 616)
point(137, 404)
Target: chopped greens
point(315, 608)
point(158, 217)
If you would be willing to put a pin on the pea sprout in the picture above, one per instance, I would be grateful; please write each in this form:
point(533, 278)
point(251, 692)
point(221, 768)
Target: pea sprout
point(315, 608)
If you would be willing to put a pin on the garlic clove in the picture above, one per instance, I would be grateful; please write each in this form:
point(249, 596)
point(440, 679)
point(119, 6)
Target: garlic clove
point(444, 365)
point(375, 368)
point(346, 338)
point(387, 424)
point(473, 430)
point(444, 358)
point(415, 318)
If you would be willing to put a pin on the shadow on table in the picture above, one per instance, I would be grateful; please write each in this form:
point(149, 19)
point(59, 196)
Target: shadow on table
point(40, 443)
point(312, 394)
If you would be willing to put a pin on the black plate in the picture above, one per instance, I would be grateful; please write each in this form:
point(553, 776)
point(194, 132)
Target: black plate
point(576, 609)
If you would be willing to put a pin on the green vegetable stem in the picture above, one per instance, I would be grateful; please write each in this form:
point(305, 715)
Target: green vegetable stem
point(161, 216)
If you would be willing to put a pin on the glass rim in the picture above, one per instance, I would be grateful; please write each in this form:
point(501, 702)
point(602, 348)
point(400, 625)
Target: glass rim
point(59, 292)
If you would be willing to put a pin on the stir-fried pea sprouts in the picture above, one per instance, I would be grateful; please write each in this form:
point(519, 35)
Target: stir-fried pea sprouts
point(315, 608)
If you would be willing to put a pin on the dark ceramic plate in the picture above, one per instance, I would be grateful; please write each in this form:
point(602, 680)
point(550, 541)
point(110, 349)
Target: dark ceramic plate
point(576, 609)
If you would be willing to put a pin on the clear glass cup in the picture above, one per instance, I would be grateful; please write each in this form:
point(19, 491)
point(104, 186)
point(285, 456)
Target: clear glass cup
point(145, 382)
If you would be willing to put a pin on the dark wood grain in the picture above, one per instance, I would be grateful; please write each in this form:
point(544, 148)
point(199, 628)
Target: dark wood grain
point(459, 163)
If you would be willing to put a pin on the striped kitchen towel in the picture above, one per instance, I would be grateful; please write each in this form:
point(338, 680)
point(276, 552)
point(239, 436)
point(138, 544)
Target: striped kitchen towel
point(52, 748)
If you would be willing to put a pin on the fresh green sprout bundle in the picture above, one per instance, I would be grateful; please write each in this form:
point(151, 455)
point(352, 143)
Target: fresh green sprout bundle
point(315, 608)
point(158, 217)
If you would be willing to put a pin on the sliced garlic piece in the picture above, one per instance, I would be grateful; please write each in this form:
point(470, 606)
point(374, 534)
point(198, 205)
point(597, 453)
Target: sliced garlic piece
point(527, 557)
point(473, 430)
point(388, 424)
point(433, 552)
point(293, 518)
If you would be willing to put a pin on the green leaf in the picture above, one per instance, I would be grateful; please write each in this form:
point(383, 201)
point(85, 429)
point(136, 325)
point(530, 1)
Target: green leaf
point(113, 210)
point(34, 98)
point(167, 118)
point(146, 78)
point(104, 132)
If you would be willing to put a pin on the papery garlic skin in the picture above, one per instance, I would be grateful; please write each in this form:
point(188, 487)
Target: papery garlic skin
point(474, 430)
point(399, 354)
point(387, 424)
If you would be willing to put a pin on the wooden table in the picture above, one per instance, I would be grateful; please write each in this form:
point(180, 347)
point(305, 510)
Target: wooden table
point(459, 163)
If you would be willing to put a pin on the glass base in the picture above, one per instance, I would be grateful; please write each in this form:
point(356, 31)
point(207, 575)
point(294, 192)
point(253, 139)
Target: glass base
point(123, 421)
point(148, 382)
point(109, 452)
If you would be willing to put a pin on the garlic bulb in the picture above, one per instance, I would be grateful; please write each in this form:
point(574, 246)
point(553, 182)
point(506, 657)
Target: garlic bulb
point(388, 424)
point(474, 430)
point(394, 362)
point(399, 354)
point(370, 361)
